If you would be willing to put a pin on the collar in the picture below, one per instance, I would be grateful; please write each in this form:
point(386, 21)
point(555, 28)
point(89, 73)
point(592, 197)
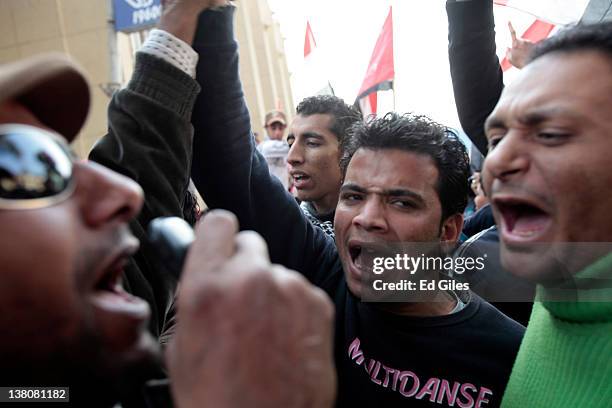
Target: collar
point(591, 291)
point(323, 217)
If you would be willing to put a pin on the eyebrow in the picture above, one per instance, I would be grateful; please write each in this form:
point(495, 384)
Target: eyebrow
point(531, 118)
point(494, 122)
point(312, 135)
point(392, 192)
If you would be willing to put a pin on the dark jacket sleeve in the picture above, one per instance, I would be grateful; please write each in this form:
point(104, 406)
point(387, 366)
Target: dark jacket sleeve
point(227, 169)
point(479, 221)
point(150, 141)
point(475, 71)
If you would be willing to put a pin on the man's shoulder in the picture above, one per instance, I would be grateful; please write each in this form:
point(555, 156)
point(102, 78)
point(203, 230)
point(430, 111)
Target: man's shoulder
point(326, 226)
point(329, 275)
point(490, 318)
point(273, 148)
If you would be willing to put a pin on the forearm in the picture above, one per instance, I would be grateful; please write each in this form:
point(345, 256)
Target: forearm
point(150, 134)
point(226, 169)
point(475, 71)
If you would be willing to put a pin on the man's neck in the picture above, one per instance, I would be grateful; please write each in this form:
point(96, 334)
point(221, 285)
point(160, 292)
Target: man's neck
point(325, 205)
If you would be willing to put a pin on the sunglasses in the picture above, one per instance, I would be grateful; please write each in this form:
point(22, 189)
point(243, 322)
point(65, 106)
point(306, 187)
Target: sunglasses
point(35, 168)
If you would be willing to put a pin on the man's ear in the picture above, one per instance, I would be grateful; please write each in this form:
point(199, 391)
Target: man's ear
point(451, 228)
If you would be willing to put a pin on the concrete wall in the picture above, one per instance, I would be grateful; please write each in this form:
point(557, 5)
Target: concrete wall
point(263, 66)
point(81, 29)
point(75, 27)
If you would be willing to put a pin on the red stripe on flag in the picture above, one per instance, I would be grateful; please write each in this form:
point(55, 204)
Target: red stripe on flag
point(501, 2)
point(368, 105)
point(538, 31)
point(373, 102)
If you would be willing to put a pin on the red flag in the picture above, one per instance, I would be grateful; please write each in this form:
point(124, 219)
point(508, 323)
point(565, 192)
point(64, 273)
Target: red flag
point(309, 43)
point(381, 71)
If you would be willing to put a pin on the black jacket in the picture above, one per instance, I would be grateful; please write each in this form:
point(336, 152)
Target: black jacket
point(150, 141)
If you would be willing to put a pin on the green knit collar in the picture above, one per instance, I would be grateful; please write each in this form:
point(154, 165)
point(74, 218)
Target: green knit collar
point(589, 305)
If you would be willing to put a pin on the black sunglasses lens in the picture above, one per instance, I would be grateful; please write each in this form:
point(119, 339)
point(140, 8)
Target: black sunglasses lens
point(32, 165)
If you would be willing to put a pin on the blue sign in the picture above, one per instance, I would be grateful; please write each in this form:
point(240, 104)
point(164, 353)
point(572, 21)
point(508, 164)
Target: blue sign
point(132, 15)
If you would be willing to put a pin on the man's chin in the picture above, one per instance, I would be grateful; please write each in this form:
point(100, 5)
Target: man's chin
point(354, 287)
point(120, 374)
point(303, 195)
point(96, 376)
point(537, 263)
point(141, 361)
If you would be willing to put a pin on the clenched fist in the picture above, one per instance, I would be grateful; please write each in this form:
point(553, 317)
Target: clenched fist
point(249, 334)
point(180, 17)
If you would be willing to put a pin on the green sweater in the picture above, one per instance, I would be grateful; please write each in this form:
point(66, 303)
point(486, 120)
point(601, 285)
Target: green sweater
point(565, 359)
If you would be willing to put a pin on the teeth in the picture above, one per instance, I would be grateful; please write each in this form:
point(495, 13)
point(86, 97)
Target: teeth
point(357, 260)
point(117, 286)
point(525, 234)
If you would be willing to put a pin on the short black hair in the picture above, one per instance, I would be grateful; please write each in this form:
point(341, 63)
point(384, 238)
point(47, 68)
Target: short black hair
point(343, 115)
point(581, 37)
point(421, 135)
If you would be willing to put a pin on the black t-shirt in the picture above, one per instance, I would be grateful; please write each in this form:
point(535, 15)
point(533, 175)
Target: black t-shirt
point(386, 360)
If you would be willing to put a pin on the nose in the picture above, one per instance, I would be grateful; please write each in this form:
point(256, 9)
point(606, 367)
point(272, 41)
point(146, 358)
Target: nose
point(295, 156)
point(371, 216)
point(105, 196)
point(278, 133)
point(508, 160)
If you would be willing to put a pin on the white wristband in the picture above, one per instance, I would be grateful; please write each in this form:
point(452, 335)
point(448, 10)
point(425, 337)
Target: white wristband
point(175, 51)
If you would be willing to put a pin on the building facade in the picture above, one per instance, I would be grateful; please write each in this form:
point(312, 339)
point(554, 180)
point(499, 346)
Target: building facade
point(85, 29)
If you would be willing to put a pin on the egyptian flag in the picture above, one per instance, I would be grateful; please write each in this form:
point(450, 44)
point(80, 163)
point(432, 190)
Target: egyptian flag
point(552, 14)
point(381, 71)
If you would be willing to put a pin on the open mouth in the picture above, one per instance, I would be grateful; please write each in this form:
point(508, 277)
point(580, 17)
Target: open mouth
point(362, 254)
point(110, 281)
point(109, 296)
point(355, 253)
point(522, 220)
point(299, 178)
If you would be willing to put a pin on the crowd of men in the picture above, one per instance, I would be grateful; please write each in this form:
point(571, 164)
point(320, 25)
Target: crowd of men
point(274, 307)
